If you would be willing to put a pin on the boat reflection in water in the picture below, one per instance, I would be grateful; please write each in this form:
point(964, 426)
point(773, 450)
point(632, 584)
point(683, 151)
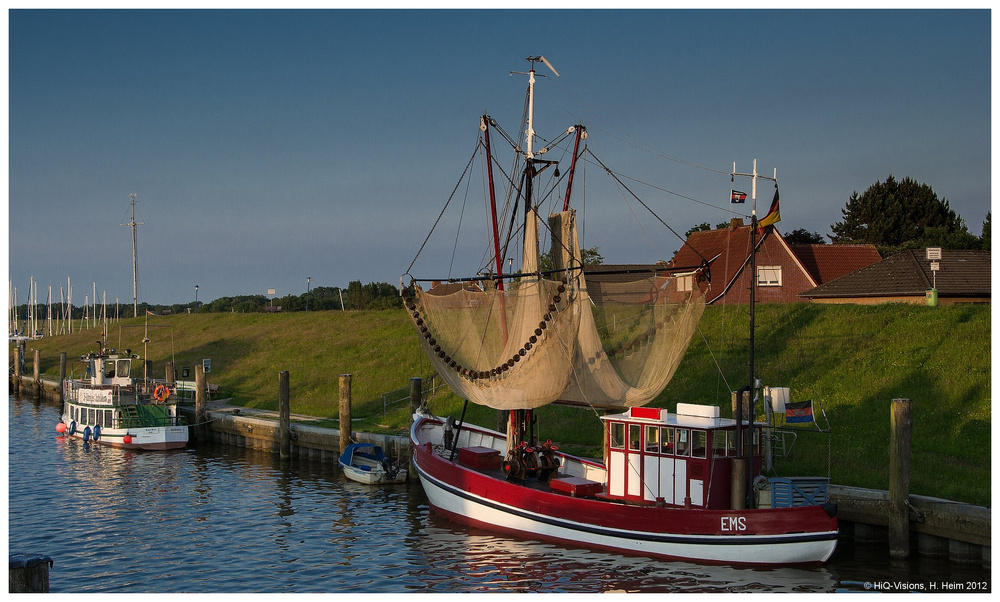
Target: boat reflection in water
point(496, 563)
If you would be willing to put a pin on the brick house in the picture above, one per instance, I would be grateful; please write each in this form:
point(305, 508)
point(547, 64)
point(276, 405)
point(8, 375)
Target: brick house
point(783, 270)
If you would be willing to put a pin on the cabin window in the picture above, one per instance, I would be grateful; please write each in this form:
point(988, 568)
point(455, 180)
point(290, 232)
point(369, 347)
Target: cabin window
point(100, 418)
point(107, 418)
point(684, 283)
point(617, 435)
point(109, 369)
point(769, 275)
point(634, 430)
point(732, 442)
point(90, 417)
point(719, 444)
point(652, 439)
point(123, 368)
point(699, 443)
point(118, 418)
point(681, 449)
point(666, 440)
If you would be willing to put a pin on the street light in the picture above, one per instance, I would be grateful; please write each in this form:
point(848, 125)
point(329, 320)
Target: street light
point(308, 280)
point(196, 298)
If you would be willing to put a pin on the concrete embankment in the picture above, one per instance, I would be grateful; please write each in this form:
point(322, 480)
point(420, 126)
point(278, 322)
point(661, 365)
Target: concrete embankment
point(942, 528)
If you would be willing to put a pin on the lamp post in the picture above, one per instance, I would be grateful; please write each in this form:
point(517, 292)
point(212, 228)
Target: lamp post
point(308, 280)
point(196, 298)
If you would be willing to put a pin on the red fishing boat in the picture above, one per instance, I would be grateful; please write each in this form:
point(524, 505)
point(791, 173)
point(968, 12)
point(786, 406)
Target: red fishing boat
point(671, 484)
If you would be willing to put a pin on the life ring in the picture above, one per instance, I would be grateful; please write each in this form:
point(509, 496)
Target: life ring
point(161, 393)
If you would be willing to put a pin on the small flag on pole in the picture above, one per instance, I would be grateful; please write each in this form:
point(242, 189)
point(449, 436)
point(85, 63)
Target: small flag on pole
point(800, 411)
point(773, 215)
point(737, 196)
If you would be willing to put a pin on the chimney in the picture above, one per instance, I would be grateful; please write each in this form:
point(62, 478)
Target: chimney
point(736, 222)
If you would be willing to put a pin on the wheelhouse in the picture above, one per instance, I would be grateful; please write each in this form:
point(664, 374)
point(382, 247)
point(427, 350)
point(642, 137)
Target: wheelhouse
point(674, 459)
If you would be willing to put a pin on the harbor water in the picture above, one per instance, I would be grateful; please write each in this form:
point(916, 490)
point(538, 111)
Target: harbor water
point(217, 519)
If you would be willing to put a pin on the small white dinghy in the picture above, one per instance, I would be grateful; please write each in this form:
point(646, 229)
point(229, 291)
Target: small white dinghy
point(367, 463)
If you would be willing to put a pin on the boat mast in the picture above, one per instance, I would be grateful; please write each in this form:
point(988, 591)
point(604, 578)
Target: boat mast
point(485, 127)
point(753, 301)
point(135, 260)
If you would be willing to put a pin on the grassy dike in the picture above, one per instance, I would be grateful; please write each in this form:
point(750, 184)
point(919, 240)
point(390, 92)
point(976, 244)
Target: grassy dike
point(853, 360)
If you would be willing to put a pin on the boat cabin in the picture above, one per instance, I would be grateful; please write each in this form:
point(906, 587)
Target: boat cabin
point(108, 370)
point(674, 459)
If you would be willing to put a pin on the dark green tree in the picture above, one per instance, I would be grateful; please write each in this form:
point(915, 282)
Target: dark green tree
point(896, 215)
point(591, 256)
point(801, 236)
point(985, 238)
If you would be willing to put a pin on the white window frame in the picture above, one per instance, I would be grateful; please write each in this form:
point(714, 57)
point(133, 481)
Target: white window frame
point(685, 283)
point(769, 275)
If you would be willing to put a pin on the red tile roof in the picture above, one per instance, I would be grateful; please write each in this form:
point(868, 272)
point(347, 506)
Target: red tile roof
point(828, 262)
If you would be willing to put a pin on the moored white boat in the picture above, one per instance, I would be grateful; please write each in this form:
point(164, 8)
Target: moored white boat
point(672, 484)
point(110, 407)
point(366, 463)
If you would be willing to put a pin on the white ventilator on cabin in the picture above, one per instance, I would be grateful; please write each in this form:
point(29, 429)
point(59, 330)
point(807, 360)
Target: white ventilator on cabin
point(604, 340)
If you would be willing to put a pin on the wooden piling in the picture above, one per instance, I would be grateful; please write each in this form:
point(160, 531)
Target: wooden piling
point(416, 395)
point(345, 412)
point(738, 484)
point(199, 401)
point(17, 370)
point(899, 478)
point(284, 417)
point(62, 374)
point(36, 381)
point(168, 375)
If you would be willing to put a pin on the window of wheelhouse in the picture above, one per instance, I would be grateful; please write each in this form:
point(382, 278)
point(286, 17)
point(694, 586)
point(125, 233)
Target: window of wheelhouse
point(666, 439)
point(699, 443)
point(719, 444)
point(617, 435)
point(634, 430)
point(652, 439)
point(123, 368)
point(681, 448)
point(109, 369)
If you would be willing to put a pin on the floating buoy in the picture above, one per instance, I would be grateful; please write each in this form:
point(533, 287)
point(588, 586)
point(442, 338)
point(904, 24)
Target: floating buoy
point(127, 439)
point(72, 428)
point(97, 432)
point(86, 434)
point(60, 428)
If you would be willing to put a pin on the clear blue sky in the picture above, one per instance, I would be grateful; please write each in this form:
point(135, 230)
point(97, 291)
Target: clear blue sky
point(268, 146)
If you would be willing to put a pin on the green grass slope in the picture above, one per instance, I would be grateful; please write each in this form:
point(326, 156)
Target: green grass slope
point(852, 360)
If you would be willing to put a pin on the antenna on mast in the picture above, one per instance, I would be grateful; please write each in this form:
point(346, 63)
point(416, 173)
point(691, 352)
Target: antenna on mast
point(529, 153)
point(135, 260)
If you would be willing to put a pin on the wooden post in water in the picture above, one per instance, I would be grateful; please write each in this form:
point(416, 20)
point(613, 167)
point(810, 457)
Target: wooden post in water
point(284, 417)
point(199, 401)
point(899, 478)
point(62, 375)
point(345, 412)
point(17, 370)
point(738, 484)
point(37, 375)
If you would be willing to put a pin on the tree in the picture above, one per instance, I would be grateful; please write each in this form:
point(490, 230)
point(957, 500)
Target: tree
point(896, 215)
point(591, 256)
point(985, 238)
point(802, 236)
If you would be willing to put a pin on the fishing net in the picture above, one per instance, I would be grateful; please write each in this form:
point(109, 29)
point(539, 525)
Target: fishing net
point(595, 337)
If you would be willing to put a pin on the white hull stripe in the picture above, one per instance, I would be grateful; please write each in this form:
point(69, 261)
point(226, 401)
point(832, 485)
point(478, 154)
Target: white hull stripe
point(632, 535)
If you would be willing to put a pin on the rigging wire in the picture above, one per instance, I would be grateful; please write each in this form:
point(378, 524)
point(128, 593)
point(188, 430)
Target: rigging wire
point(443, 209)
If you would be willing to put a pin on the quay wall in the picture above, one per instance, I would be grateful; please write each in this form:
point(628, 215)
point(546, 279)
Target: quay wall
point(962, 532)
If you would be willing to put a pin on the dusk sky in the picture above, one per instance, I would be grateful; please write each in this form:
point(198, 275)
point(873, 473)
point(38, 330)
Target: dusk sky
point(268, 146)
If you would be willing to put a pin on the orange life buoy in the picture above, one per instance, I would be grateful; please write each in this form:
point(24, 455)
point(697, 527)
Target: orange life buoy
point(161, 393)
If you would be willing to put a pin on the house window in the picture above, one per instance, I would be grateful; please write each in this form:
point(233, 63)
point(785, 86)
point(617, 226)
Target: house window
point(769, 275)
point(684, 283)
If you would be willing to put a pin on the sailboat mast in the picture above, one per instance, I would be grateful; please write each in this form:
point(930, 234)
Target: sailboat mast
point(485, 126)
point(135, 260)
